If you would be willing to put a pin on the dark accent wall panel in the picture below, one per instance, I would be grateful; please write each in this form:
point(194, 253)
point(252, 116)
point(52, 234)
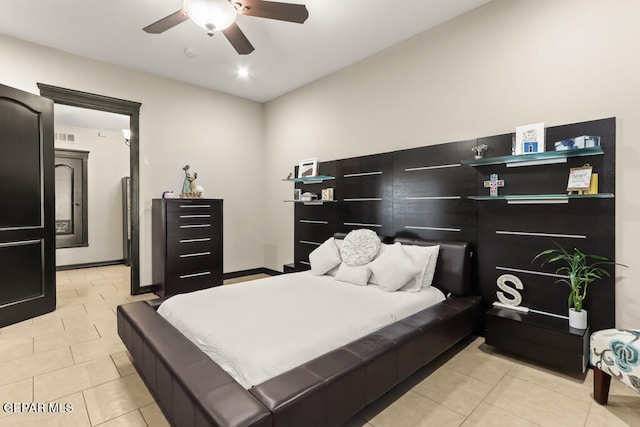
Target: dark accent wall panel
point(365, 193)
point(511, 235)
point(430, 191)
point(424, 192)
point(314, 223)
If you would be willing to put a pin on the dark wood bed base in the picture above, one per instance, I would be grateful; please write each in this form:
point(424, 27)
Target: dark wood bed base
point(192, 390)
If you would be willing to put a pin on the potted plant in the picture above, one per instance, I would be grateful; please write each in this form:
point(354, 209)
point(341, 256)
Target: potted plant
point(579, 274)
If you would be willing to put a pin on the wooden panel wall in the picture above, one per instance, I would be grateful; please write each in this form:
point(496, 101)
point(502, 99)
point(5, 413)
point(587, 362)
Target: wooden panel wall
point(423, 192)
point(510, 236)
point(430, 191)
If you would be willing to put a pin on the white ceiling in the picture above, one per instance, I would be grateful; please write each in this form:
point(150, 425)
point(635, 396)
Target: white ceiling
point(287, 55)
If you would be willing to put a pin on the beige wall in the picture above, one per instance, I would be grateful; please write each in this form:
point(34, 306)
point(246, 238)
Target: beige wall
point(220, 136)
point(508, 63)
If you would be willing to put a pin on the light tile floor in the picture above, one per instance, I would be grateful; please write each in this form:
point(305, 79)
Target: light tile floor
point(74, 357)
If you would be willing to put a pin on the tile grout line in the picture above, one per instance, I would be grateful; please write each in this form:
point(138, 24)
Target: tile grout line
point(548, 388)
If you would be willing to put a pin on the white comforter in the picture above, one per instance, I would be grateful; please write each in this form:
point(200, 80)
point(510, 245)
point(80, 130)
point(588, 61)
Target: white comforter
point(257, 330)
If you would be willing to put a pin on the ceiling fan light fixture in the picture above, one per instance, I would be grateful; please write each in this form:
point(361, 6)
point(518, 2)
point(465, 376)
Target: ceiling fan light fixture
point(212, 15)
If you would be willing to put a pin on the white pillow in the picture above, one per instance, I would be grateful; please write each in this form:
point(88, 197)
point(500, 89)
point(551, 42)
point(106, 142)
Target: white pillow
point(360, 247)
point(431, 267)
point(324, 257)
point(334, 270)
point(393, 268)
point(373, 279)
point(420, 255)
point(357, 275)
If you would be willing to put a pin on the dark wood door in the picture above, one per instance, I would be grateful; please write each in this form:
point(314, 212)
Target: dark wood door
point(27, 233)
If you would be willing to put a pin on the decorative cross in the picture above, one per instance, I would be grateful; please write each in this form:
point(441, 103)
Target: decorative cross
point(493, 184)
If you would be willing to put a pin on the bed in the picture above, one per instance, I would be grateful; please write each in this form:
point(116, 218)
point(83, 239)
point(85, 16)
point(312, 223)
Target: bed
point(193, 390)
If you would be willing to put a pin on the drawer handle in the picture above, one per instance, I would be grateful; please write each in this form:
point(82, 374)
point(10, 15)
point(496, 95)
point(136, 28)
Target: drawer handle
point(204, 239)
point(187, 276)
point(196, 254)
point(196, 226)
point(195, 216)
point(195, 206)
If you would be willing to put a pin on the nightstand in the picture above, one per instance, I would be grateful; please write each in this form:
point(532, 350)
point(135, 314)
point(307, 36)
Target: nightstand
point(295, 267)
point(538, 337)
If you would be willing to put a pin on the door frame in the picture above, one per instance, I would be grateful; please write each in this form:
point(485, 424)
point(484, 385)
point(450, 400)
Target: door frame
point(75, 98)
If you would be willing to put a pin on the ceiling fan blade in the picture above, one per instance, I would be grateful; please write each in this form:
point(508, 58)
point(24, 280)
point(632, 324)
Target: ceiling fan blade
point(273, 10)
point(238, 40)
point(167, 22)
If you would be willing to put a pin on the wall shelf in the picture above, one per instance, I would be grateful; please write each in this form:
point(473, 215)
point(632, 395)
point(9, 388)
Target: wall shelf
point(548, 157)
point(542, 198)
point(311, 202)
point(311, 179)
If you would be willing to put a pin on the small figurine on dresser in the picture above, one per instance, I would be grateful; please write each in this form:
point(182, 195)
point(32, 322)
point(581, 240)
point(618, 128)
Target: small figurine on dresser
point(189, 190)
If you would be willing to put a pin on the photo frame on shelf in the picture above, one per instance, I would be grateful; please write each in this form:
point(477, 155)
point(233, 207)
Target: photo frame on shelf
point(580, 179)
point(308, 168)
point(529, 139)
point(297, 193)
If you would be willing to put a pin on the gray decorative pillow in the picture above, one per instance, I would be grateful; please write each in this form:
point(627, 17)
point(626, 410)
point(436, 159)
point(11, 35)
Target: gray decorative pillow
point(359, 247)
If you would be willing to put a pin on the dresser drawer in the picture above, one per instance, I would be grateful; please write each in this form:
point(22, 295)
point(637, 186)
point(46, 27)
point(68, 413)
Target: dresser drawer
point(202, 223)
point(192, 206)
point(195, 261)
point(188, 282)
point(189, 244)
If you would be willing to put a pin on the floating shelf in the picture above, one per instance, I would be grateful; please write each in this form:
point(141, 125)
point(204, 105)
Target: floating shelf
point(548, 157)
point(311, 179)
point(542, 198)
point(311, 202)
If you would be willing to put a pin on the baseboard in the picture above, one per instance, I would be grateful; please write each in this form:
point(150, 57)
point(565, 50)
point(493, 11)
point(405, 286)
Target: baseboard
point(261, 270)
point(89, 265)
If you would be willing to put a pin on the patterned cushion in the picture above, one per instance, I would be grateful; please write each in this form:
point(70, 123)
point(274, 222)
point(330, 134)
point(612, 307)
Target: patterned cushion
point(359, 247)
point(617, 353)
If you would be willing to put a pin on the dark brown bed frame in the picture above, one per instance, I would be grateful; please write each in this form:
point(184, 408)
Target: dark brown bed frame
point(193, 391)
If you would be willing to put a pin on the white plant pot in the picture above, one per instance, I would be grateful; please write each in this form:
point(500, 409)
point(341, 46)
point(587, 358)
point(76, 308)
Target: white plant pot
point(578, 319)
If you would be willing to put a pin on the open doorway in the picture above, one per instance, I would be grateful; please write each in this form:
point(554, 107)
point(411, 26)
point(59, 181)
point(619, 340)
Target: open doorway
point(131, 109)
point(91, 163)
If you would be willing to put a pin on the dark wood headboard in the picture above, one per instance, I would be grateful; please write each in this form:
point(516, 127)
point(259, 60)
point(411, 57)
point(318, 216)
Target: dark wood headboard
point(426, 193)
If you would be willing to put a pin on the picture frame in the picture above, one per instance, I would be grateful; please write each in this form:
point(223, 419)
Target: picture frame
point(529, 139)
point(297, 193)
point(580, 179)
point(307, 168)
point(327, 194)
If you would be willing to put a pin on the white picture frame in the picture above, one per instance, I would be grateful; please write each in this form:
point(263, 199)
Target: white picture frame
point(529, 139)
point(580, 178)
point(307, 168)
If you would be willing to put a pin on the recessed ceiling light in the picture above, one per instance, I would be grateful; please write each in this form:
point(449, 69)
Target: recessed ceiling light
point(243, 72)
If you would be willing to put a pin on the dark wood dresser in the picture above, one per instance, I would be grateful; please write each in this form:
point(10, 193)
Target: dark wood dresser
point(187, 244)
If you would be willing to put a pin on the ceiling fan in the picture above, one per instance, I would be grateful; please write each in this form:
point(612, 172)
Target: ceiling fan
point(220, 15)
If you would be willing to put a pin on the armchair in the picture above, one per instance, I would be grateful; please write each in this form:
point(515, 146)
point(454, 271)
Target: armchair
point(614, 353)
